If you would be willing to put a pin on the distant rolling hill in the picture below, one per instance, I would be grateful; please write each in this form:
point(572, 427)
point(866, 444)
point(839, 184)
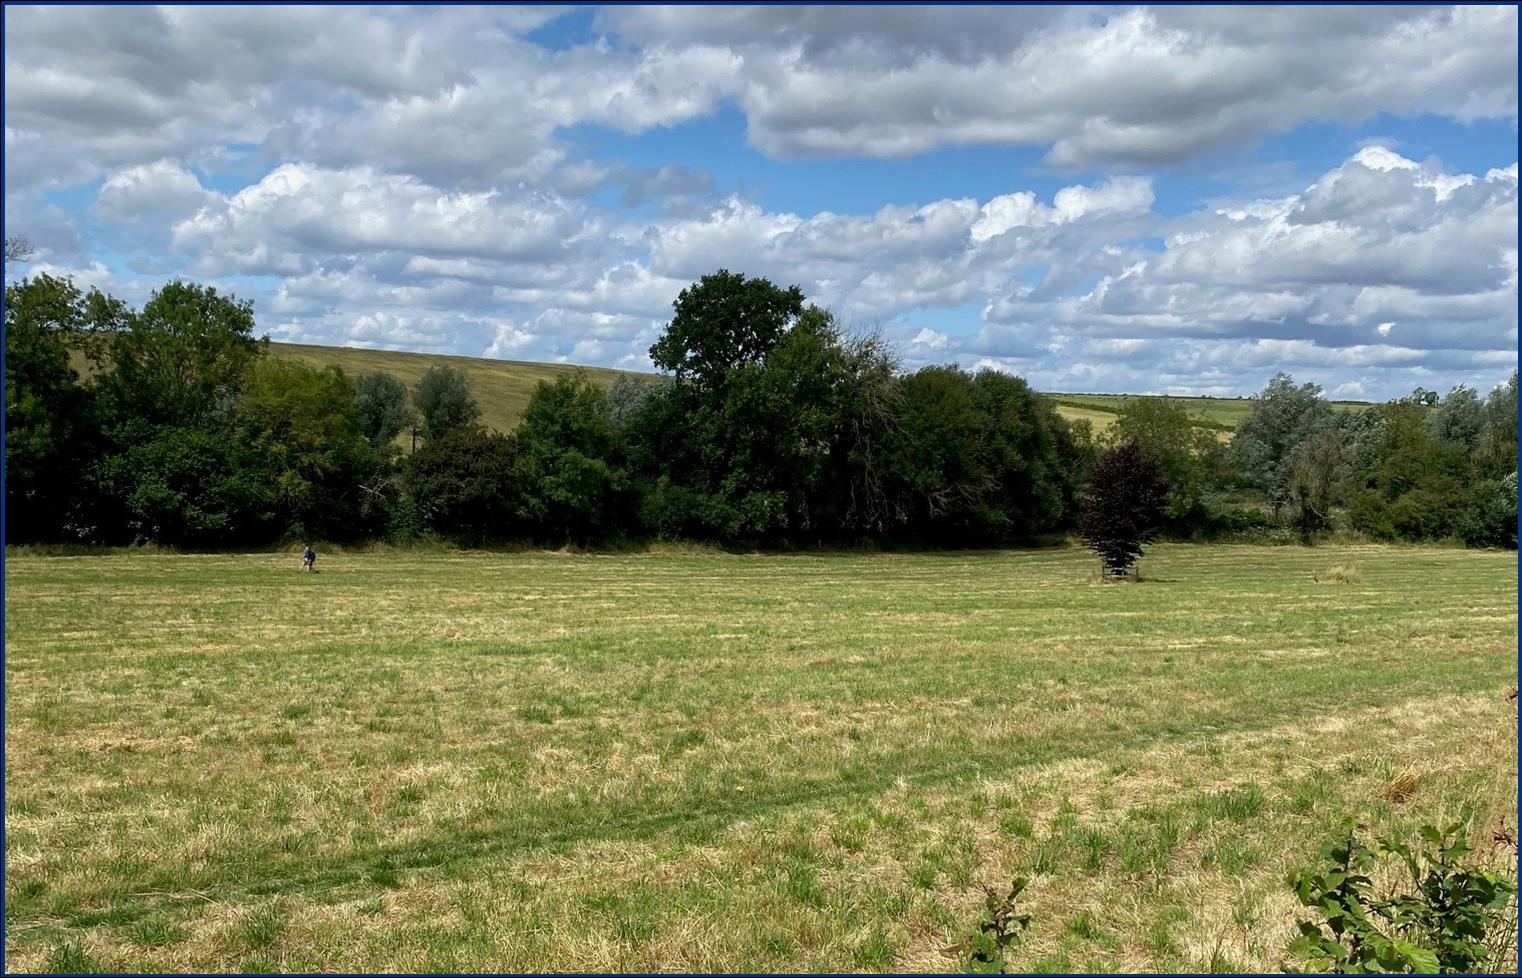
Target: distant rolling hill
point(503, 387)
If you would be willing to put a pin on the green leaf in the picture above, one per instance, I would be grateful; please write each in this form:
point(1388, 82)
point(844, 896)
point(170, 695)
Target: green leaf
point(1421, 960)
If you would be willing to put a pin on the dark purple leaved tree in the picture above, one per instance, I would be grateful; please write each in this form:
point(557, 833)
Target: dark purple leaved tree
point(1122, 506)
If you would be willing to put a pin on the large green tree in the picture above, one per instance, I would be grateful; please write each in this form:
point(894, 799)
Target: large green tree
point(465, 485)
point(572, 485)
point(1459, 419)
point(723, 322)
point(444, 401)
point(181, 358)
point(1496, 452)
point(46, 410)
point(936, 464)
point(1317, 473)
point(326, 476)
point(1190, 456)
point(1026, 451)
point(381, 402)
point(1283, 416)
point(1406, 482)
point(748, 442)
point(192, 486)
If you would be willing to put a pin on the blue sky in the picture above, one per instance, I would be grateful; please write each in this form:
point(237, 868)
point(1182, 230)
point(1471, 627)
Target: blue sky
point(1171, 199)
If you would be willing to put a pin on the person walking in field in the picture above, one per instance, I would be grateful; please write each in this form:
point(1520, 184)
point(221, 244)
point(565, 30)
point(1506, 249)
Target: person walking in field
point(309, 559)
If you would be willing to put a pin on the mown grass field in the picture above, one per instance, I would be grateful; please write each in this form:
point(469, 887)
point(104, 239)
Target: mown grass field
point(703, 761)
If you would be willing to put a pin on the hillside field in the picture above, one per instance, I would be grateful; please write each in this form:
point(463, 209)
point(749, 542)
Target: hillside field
point(690, 760)
point(1224, 413)
point(503, 387)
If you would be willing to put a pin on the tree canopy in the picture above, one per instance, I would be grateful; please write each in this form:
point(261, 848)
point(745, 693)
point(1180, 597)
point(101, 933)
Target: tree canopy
point(771, 425)
point(444, 401)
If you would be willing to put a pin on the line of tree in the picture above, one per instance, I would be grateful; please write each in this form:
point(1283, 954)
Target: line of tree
point(173, 424)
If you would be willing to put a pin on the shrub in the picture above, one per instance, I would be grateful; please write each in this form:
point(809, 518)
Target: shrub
point(1242, 522)
point(1489, 518)
point(1445, 923)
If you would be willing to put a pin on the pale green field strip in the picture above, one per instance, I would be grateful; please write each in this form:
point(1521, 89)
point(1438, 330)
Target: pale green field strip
point(699, 761)
point(1227, 411)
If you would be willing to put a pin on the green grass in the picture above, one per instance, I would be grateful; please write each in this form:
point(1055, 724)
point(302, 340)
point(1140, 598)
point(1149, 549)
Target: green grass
point(700, 761)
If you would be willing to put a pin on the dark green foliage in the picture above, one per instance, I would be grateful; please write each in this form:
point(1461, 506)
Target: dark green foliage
point(325, 476)
point(1496, 452)
point(381, 404)
point(977, 458)
point(444, 401)
point(1459, 419)
point(1408, 484)
point(1025, 449)
point(46, 409)
point(1190, 458)
point(796, 440)
point(1317, 473)
point(181, 359)
point(193, 487)
point(1489, 516)
point(774, 428)
point(723, 322)
point(935, 460)
point(573, 487)
point(1122, 506)
point(464, 483)
point(1441, 924)
point(869, 405)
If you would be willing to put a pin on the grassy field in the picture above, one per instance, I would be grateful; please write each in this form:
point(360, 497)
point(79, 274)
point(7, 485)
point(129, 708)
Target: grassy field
point(701, 761)
point(1221, 412)
point(501, 387)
